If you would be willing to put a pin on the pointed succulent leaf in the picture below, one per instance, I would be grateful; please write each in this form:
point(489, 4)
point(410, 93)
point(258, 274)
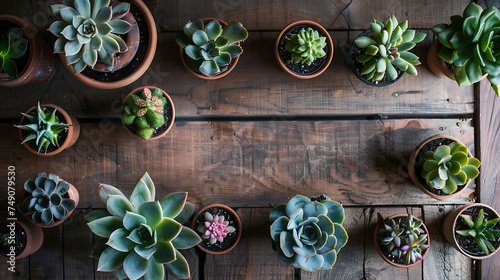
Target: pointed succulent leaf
point(186, 213)
point(133, 220)
point(168, 229)
point(110, 260)
point(295, 203)
point(306, 250)
point(67, 14)
point(144, 191)
point(152, 211)
point(314, 209)
point(209, 68)
point(178, 268)
point(193, 26)
point(173, 204)
point(103, 15)
point(186, 239)
point(104, 226)
point(120, 10)
point(134, 265)
point(118, 205)
point(120, 26)
point(295, 219)
point(96, 214)
point(364, 42)
point(83, 7)
point(155, 271)
point(309, 263)
point(165, 252)
point(145, 251)
point(118, 240)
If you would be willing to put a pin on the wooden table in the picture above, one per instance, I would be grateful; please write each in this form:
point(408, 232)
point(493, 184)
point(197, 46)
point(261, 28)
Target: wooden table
point(258, 137)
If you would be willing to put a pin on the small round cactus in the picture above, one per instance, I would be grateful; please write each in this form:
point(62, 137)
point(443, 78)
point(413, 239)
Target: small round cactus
point(306, 46)
point(215, 228)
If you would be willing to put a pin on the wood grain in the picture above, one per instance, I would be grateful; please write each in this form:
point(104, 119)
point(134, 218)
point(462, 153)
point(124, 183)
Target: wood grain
point(77, 245)
point(47, 263)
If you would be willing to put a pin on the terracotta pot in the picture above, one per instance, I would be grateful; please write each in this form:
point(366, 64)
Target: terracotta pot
point(199, 75)
point(153, 38)
point(34, 237)
point(72, 193)
point(450, 224)
point(41, 64)
point(377, 246)
point(237, 221)
point(436, 64)
point(414, 177)
point(71, 134)
point(322, 31)
point(171, 117)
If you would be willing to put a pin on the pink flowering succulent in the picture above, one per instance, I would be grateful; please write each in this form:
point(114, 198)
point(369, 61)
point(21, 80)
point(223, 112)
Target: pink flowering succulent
point(215, 228)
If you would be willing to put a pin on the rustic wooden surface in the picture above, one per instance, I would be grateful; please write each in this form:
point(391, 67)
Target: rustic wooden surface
point(258, 137)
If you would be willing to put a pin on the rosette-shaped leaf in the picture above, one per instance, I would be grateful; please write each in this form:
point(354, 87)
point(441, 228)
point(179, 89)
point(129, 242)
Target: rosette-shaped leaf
point(142, 236)
point(449, 166)
point(48, 201)
point(389, 47)
point(308, 234)
point(472, 44)
point(88, 31)
point(215, 228)
point(306, 46)
point(211, 48)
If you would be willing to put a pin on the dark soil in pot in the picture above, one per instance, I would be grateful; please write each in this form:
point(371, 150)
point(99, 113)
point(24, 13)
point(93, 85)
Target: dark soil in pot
point(62, 135)
point(21, 61)
point(467, 243)
point(167, 114)
point(228, 240)
point(419, 163)
point(358, 66)
point(286, 56)
point(20, 239)
point(135, 62)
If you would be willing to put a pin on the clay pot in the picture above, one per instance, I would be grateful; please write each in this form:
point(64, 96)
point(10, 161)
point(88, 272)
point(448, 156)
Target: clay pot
point(34, 237)
point(237, 221)
point(172, 117)
point(72, 194)
point(71, 134)
point(199, 75)
point(322, 31)
point(450, 224)
point(414, 177)
point(124, 58)
point(377, 246)
point(436, 64)
point(41, 64)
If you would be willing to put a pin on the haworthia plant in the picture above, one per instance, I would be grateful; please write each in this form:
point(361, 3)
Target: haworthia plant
point(306, 46)
point(482, 231)
point(13, 44)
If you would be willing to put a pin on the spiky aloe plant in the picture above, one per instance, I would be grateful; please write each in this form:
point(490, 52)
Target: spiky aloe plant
point(13, 44)
point(211, 48)
point(449, 166)
point(47, 201)
point(145, 110)
point(308, 233)
point(141, 236)
point(306, 46)
point(44, 128)
point(471, 43)
point(88, 31)
point(481, 230)
point(390, 47)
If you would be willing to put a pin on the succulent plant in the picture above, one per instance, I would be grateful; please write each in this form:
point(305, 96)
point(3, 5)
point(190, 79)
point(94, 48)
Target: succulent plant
point(308, 233)
point(481, 230)
point(449, 166)
point(44, 128)
point(88, 31)
point(145, 110)
point(306, 46)
point(141, 237)
point(402, 239)
point(48, 200)
point(215, 228)
point(13, 44)
point(389, 46)
point(471, 43)
point(211, 48)
point(5, 239)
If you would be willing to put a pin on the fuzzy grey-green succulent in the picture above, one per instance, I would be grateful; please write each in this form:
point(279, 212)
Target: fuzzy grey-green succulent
point(308, 233)
point(47, 201)
point(89, 31)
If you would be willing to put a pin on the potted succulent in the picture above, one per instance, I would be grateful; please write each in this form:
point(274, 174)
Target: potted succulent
point(25, 58)
point(381, 55)
point(19, 239)
point(148, 113)
point(117, 41)
point(304, 49)
point(219, 227)
point(142, 236)
point(401, 240)
point(442, 167)
point(49, 200)
point(42, 132)
point(473, 230)
point(210, 48)
point(466, 49)
point(307, 232)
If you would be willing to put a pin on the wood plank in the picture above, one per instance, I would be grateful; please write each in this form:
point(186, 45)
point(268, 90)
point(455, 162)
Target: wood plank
point(375, 266)
point(247, 164)
point(256, 86)
point(350, 260)
point(77, 244)
point(253, 257)
point(48, 262)
point(443, 261)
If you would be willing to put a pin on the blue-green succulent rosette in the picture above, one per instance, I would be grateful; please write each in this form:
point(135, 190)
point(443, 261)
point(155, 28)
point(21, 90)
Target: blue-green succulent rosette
point(308, 233)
